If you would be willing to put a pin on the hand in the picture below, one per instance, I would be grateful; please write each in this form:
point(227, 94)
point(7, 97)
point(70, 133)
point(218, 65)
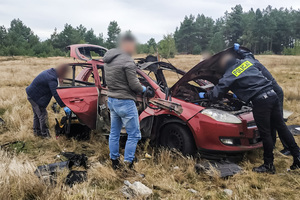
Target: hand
point(144, 88)
point(202, 95)
point(236, 46)
point(67, 111)
point(149, 92)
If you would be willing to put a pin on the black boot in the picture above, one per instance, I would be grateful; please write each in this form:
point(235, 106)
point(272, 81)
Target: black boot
point(265, 168)
point(296, 164)
point(129, 165)
point(115, 164)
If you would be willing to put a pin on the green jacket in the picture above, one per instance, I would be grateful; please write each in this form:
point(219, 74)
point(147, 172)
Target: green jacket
point(120, 74)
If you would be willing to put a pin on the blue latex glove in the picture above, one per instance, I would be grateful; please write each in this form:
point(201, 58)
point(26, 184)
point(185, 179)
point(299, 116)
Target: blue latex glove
point(144, 88)
point(67, 110)
point(234, 96)
point(202, 95)
point(236, 46)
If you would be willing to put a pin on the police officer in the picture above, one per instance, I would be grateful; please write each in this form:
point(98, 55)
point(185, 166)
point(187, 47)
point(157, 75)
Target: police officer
point(248, 84)
point(246, 54)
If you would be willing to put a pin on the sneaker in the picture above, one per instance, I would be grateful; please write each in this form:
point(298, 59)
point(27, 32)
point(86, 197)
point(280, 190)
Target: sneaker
point(265, 168)
point(115, 164)
point(285, 152)
point(296, 164)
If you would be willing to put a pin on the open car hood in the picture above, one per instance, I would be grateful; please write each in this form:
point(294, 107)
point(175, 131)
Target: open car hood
point(156, 65)
point(207, 70)
point(86, 52)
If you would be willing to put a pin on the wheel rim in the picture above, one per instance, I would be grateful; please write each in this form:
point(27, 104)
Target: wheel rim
point(174, 139)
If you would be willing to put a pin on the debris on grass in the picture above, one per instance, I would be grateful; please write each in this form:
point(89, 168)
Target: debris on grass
point(49, 172)
point(148, 156)
point(193, 191)
point(176, 168)
point(228, 192)
point(75, 177)
point(135, 190)
point(222, 168)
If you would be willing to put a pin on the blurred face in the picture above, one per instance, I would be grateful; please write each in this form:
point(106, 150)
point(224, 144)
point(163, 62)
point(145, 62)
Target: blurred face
point(225, 59)
point(128, 47)
point(62, 71)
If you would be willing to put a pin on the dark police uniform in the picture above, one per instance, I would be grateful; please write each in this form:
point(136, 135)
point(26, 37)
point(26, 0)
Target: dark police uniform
point(249, 84)
point(276, 87)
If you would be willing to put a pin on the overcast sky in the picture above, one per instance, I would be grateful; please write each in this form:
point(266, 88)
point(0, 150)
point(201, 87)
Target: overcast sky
point(146, 19)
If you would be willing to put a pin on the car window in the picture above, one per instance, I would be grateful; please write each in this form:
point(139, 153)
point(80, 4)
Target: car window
point(91, 78)
point(171, 77)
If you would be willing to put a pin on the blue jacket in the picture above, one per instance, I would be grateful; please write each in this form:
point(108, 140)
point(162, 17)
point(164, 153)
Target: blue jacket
point(43, 87)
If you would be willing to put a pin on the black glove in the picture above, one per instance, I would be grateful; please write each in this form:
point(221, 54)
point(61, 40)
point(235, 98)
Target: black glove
point(149, 92)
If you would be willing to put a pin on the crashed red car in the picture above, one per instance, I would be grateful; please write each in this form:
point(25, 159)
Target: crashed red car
point(175, 116)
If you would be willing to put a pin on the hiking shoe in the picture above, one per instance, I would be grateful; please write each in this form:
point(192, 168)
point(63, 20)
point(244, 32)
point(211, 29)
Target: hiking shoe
point(285, 152)
point(115, 164)
point(296, 164)
point(265, 168)
point(129, 165)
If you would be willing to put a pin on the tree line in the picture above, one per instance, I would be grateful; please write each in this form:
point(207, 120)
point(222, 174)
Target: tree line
point(265, 31)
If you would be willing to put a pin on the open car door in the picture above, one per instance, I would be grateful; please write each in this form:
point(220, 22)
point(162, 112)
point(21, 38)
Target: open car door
point(83, 102)
point(81, 96)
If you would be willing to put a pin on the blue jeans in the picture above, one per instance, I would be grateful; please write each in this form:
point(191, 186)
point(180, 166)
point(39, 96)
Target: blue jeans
point(123, 112)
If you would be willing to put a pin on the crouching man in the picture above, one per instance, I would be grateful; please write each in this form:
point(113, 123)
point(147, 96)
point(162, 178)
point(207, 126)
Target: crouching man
point(249, 84)
point(123, 86)
point(39, 94)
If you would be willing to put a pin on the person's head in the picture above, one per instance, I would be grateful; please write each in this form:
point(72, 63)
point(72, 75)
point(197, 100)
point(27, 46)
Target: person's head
point(127, 43)
point(62, 70)
point(226, 59)
point(206, 55)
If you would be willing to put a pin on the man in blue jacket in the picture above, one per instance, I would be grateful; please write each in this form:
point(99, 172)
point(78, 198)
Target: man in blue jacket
point(39, 94)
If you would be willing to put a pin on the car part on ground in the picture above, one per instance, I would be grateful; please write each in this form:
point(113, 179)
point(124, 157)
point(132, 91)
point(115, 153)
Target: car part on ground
point(76, 177)
point(48, 173)
point(70, 127)
point(222, 169)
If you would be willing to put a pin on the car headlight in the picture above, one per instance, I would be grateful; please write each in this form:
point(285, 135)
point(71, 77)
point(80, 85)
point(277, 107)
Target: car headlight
point(221, 116)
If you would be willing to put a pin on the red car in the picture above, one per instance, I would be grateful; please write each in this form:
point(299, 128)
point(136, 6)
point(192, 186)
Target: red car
point(174, 117)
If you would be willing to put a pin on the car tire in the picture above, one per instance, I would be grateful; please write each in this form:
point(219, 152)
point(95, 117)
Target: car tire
point(177, 136)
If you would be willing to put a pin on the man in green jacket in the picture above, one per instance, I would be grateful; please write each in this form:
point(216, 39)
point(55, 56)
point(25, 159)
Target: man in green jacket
point(123, 86)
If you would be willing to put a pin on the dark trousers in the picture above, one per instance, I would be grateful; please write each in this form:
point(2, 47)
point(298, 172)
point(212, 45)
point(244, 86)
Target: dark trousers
point(280, 95)
point(40, 119)
point(267, 114)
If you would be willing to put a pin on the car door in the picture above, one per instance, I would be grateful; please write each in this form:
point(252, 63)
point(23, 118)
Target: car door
point(83, 102)
point(81, 96)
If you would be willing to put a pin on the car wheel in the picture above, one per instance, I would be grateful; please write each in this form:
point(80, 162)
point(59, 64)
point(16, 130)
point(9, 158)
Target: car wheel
point(176, 136)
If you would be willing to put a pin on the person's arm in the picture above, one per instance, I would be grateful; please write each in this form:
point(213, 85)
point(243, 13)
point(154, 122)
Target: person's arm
point(53, 85)
point(220, 89)
point(133, 81)
point(243, 53)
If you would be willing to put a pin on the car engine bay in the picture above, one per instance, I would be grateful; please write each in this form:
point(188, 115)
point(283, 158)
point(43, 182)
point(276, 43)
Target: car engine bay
point(190, 93)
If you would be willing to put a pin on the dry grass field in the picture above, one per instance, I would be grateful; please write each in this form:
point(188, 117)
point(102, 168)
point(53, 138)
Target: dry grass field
point(17, 180)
